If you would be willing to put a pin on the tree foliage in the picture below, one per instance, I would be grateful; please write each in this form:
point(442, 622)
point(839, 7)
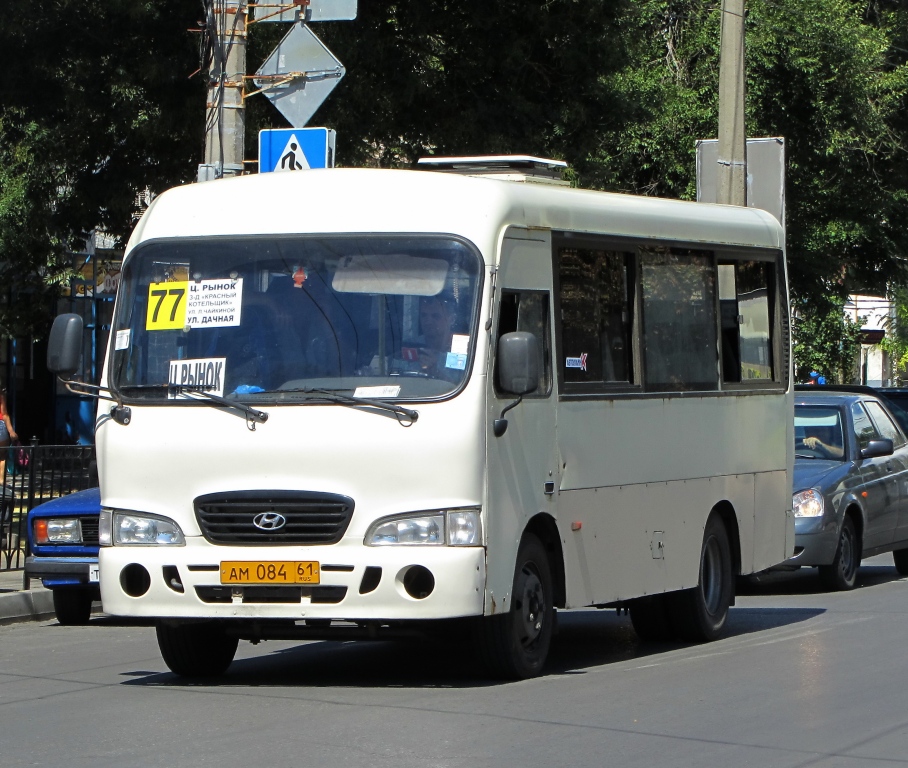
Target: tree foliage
point(895, 343)
point(97, 105)
point(826, 341)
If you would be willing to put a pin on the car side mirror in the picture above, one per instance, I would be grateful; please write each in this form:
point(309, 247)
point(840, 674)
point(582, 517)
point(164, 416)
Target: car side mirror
point(64, 347)
point(877, 448)
point(518, 366)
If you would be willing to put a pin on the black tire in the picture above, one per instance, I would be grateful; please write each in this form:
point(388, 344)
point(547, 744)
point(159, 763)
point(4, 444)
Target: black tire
point(842, 573)
point(196, 650)
point(73, 606)
point(700, 614)
point(651, 619)
point(900, 556)
point(515, 645)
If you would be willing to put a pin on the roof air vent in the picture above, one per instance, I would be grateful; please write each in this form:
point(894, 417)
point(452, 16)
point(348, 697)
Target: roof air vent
point(507, 167)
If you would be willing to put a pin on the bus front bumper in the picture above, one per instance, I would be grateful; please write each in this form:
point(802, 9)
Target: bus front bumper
point(356, 583)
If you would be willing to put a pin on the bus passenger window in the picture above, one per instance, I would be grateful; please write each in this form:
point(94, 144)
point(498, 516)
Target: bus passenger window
point(529, 311)
point(745, 299)
point(679, 319)
point(596, 289)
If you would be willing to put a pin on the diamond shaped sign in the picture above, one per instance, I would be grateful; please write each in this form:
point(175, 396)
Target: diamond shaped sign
point(298, 75)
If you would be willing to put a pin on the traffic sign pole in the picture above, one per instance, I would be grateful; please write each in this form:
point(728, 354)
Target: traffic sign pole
point(226, 114)
point(296, 78)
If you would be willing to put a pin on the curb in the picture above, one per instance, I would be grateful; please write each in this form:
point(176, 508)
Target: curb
point(27, 605)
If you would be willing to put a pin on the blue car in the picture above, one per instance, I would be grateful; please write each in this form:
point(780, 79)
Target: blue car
point(850, 484)
point(63, 542)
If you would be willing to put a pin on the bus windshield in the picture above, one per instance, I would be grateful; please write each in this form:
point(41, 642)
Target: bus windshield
point(269, 319)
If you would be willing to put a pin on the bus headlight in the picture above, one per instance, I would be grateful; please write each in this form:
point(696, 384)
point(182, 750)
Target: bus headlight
point(453, 527)
point(807, 503)
point(118, 528)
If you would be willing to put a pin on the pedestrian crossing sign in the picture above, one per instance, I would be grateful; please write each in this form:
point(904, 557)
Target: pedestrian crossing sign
point(295, 149)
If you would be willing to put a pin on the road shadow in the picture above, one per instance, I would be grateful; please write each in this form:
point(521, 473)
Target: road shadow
point(584, 640)
point(806, 581)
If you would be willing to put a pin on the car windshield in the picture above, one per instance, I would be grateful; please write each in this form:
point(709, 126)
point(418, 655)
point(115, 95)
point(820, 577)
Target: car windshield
point(818, 432)
point(268, 319)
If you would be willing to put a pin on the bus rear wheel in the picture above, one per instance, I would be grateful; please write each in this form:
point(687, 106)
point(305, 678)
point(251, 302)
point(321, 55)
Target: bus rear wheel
point(196, 650)
point(515, 645)
point(700, 614)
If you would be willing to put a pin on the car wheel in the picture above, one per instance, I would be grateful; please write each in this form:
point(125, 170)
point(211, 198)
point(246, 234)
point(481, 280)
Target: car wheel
point(700, 614)
point(900, 556)
point(842, 573)
point(73, 606)
point(196, 650)
point(515, 645)
point(651, 619)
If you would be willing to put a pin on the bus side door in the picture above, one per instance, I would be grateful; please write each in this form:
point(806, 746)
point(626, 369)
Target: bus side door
point(523, 463)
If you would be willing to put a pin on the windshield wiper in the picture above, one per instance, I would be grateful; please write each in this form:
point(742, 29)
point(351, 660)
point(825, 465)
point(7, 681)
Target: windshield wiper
point(253, 416)
point(337, 397)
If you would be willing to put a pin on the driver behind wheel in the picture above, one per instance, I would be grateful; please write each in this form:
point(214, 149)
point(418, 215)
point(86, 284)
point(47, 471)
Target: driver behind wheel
point(827, 440)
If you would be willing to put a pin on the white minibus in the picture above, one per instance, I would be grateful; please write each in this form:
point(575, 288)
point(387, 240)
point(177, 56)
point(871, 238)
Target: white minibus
point(362, 403)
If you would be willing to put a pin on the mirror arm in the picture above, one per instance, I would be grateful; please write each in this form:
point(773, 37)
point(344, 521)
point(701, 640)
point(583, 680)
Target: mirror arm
point(120, 413)
point(500, 425)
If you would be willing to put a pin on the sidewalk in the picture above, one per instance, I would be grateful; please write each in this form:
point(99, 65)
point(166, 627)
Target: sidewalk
point(19, 604)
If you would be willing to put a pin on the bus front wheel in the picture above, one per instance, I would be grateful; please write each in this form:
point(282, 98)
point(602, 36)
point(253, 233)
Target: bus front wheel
point(196, 650)
point(514, 645)
point(700, 614)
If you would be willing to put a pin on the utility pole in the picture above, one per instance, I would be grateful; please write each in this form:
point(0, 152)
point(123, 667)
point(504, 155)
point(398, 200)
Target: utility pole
point(225, 124)
point(732, 186)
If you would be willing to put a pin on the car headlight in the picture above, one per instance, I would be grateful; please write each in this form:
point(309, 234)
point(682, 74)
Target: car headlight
point(120, 528)
point(452, 527)
point(58, 530)
point(807, 503)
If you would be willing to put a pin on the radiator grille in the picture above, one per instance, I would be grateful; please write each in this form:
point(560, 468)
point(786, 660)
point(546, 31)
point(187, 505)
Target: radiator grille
point(309, 518)
point(89, 529)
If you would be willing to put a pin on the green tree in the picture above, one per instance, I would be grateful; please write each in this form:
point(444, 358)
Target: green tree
point(97, 105)
point(895, 343)
point(826, 341)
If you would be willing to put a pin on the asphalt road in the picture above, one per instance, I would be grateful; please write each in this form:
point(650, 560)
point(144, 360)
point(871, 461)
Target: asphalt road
point(804, 678)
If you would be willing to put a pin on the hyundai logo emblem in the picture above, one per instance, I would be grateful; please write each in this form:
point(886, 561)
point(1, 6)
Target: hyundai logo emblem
point(269, 521)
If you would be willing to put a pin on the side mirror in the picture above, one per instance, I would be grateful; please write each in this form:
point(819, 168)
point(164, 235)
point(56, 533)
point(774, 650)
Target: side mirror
point(518, 366)
point(877, 448)
point(64, 347)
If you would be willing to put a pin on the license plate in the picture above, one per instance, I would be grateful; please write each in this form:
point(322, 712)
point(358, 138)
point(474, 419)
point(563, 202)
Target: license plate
point(94, 573)
point(269, 572)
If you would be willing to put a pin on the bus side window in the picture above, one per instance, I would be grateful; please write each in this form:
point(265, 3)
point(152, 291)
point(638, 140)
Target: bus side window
point(596, 288)
point(679, 319)
point(529, 311)
point(746, 303)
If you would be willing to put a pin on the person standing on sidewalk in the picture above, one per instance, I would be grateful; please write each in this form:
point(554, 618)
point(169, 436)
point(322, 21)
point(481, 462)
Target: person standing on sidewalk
point(7, 433)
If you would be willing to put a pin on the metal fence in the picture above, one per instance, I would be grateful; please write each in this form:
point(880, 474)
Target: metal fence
point(35, 474)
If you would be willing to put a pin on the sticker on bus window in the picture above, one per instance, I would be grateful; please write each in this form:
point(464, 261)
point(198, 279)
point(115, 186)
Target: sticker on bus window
point(122, 340)
point(460, 343)
point(389, 391)
point(455, 361)
point(206, 374)
point(194, 304)
point(576, 362)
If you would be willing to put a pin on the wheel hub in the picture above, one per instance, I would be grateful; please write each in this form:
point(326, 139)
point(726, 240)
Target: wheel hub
point(533, 607)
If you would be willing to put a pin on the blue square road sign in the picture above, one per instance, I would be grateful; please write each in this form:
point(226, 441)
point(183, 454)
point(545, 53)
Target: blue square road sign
point(295, 149)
